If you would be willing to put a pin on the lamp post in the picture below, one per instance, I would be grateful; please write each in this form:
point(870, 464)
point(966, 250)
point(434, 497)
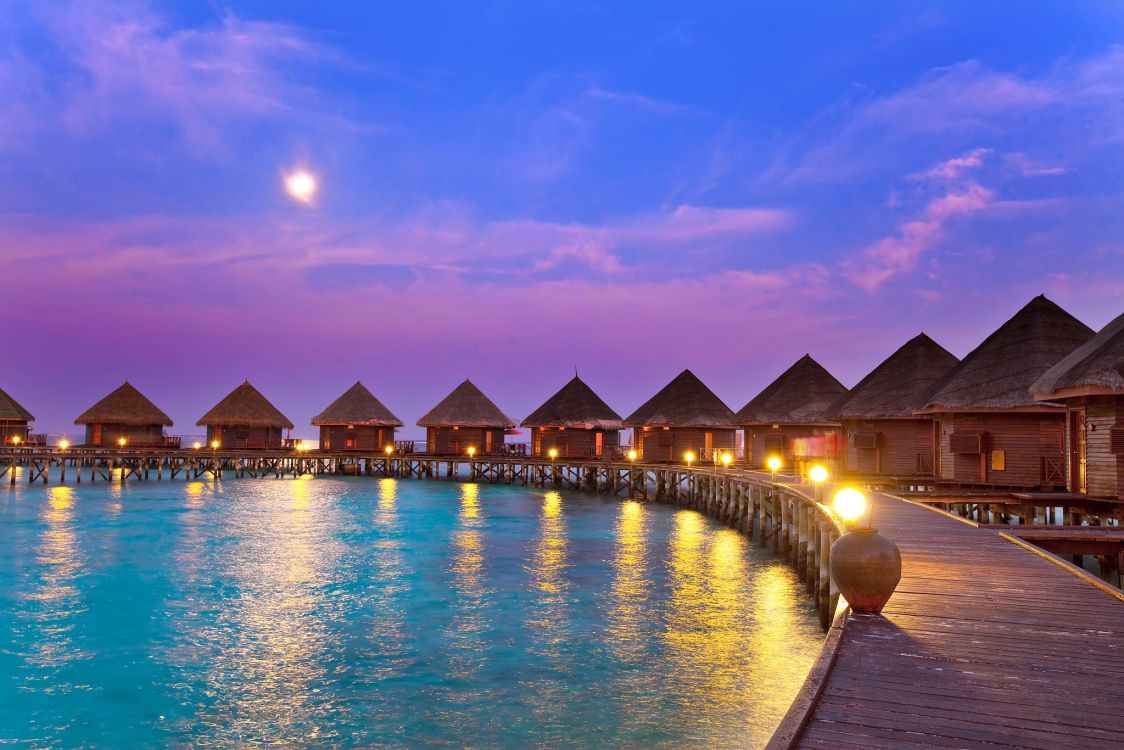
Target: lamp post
point(727, 459)
point(632, 456)
point(865, 565)
point(774, 465)
point(63, 444)
point(818, 475)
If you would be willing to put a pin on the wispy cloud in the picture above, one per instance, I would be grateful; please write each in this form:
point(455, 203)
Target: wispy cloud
point(126, 63)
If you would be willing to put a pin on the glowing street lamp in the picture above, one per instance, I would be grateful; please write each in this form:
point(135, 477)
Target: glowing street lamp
point(121, 442)
point(389, 449)
point(865, 566)
point(849, 504)
point(632, 455)
point(727, 459)
point(818, 475)
point(689, 457)
point(214, 445)
point(63, 444)
point(196, 445)
point(16, 440)
point(471, 451)
point(774, 465)
point(553, 453)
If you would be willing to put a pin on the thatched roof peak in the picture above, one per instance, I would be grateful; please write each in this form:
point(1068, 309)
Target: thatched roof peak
point(575, 406)
point(245, 407)
point(998, 373)
point(1095, 367)
point(466, 406)
point(357, 406)
point(800, 395)
point(11, 409)
point(896, 387)
point(127, 406)
point(684, 402)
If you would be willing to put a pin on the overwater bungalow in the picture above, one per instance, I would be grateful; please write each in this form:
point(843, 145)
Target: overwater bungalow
point(14, 420)
point(124, 418)
point(356, 421)
point(575, 423)
point(992, 431)
point(685, 416)
point(787, 419)
point(245, 420)
point(1090, 382)
point(881, 434)
point(464, 419)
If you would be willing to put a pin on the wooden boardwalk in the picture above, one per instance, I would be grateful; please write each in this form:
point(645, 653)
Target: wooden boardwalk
point(985, 645)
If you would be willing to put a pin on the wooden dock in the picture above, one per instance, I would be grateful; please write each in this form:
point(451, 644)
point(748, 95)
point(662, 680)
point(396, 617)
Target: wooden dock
point(986, 644)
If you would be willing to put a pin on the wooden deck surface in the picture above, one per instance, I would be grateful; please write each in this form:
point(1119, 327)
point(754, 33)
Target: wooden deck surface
point(984, 645)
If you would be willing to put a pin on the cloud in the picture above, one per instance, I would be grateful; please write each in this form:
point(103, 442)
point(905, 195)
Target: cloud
point(1024, 166)
point(638, 101)
point(956, 166)
point(899, 254)
point(120, 64)
point(1072, 104)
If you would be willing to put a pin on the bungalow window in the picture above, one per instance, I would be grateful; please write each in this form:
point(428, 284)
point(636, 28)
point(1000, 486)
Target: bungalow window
point(999, 460)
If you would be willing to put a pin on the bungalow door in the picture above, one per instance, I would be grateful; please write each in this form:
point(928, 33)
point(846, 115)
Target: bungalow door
point(1077, 451)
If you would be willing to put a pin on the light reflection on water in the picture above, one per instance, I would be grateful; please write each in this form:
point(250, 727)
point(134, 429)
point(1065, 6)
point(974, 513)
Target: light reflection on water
point(360, 613)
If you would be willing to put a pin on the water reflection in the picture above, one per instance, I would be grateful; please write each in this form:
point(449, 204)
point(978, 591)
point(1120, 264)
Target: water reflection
point(387, 600)
point(469, 589)
point(264, 681)
point(628, 615)
point(58, 603)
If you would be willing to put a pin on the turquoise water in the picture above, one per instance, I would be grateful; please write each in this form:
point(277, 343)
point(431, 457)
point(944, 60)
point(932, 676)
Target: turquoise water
point(380, 613)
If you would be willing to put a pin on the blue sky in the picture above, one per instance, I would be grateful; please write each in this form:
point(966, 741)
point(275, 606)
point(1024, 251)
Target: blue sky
point(508, 190)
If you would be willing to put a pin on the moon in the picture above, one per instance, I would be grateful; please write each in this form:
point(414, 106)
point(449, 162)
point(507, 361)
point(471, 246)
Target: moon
point(301, 185)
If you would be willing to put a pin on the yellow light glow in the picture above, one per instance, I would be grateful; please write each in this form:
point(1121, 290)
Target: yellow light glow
point(215, 444)
point(196, 445)
point(389, 449)
point(727, 459)
point(632, 455)
point(471, 451)
point(689, 456)
point(301, 186)
point(773, 463)
point(818, 474)
point(849, 503)
point(121, 442)
point(15, 439)
point(553, 453)
point(64, 444)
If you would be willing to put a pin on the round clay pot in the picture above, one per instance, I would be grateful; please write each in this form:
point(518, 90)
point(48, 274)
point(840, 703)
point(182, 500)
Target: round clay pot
point(866, 568)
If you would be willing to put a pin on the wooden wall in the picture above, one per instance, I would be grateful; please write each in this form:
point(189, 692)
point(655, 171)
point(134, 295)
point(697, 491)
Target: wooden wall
point(10, 428)
point(447, 441)
point(340, 437)
point(1026, 438)
point(1104, 470)
point(244, 438)
point(143, 436)
point(803, 444)
point(571, 443)
point(658, 444)
point(905, 447)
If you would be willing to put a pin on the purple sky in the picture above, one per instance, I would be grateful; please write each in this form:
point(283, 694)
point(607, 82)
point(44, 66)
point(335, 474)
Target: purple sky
point(512, 190)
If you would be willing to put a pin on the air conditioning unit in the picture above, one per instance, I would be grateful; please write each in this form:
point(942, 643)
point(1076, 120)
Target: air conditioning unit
point(968, 442)
point(866, 440)
point(774, 444)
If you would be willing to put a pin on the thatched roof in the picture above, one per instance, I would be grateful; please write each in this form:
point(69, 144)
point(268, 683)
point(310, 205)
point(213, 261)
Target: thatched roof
point(11, 410)
point(127, 406)
point(800, 395)
point(998, 373)
point(357, 406)
point(1095, 367)
point(245, 407)
point(466, 406)
point(895, 388)
point(684, 402)
point(575, 406)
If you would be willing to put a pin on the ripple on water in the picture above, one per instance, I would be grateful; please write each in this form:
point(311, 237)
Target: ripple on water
point(379, 613)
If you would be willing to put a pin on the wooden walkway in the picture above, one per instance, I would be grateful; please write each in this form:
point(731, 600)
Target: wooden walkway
point(985, 645)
